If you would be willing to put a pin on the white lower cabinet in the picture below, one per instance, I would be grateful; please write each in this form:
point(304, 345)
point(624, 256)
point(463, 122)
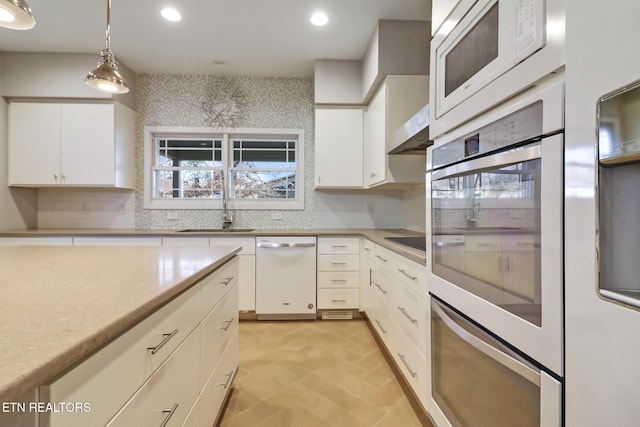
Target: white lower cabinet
point(167, 396)
point(338, 273)
point(156, 370)
point(396, 307)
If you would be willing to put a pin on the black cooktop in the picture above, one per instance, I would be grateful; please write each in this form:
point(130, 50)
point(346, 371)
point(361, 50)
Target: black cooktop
point(415, 242)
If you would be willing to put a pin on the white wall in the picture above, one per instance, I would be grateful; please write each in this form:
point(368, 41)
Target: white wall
point(18, 206)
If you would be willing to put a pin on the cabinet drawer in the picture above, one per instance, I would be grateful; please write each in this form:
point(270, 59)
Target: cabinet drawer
point(217, 284)
point(112, 375)
point(409, 311)
point(409, 273)
point(338, 298)
point(216, 330)
point(338, 279)
point(338, 262)
point(169, 394)
point(248, 243)
point(185, 241)
point(369, 249)
point(117, 241)
point(411, 362)
point(338, 245)
point(209, 403)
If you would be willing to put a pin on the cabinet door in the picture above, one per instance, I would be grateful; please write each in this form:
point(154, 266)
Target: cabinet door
point(87, 144)
point(34, 143)
point(338, 148)
point(374, 138)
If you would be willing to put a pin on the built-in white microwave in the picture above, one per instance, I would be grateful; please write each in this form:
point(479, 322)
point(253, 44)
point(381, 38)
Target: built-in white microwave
point(489, 50)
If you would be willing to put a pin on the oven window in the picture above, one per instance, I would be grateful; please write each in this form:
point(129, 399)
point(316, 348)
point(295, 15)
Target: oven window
point(473, 389)
point(486, 235)
point(473, 52)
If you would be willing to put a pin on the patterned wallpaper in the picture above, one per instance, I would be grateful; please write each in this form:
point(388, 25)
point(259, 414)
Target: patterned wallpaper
point(175, 100)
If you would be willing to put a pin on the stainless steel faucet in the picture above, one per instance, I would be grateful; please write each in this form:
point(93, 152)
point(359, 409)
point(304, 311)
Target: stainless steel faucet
point(227, 217)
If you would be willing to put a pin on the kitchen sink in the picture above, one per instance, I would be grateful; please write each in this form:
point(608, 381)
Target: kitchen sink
point(215, 230)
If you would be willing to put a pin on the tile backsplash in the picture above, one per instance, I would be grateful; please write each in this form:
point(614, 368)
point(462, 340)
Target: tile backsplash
point(174, 100)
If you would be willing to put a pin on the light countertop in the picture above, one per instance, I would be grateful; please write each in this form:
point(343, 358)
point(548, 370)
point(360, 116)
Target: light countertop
point(61, 303)
point(375, 235)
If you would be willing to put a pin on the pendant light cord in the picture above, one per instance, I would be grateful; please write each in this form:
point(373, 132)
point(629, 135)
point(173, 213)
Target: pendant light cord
point(108, 24)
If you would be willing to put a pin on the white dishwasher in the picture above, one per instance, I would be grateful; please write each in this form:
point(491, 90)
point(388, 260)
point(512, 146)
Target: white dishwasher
point(285, 277)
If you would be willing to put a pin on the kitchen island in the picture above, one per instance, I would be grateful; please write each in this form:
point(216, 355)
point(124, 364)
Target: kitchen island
point(63, 304)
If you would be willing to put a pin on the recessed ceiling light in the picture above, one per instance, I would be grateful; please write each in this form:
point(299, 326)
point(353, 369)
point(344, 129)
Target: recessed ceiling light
point(319, 19)
point(171, 14)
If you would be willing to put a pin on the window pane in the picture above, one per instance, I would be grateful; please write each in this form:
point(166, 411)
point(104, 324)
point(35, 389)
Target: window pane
point(264, 185)
point(189, 153)
point(188, 184)
point(264, 154)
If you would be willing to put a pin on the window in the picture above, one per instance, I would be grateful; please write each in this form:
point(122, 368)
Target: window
point(194, 168)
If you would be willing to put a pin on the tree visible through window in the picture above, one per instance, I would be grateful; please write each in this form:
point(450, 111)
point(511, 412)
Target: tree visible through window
point(252, 167)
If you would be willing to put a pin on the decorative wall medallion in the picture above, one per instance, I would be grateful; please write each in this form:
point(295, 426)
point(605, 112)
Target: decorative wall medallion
point(223, 103)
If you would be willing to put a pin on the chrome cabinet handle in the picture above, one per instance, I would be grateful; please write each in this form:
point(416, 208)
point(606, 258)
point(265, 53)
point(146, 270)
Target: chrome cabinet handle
point(169, 413)
point(384, 331)
point(166, 339)
point(229, 377)
point(406, 365)
point(381, 288)
point(338, 246)
point(507, 262)
point(338, 300)
point(228, 324)
point(404, 311)
point(338, 280)
point(407, 274)
point(381, 258)
point(338, 263)
point(367, 249)
point(227, 280)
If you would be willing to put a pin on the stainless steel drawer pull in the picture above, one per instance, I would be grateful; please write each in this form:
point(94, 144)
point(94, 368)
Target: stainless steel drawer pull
point(338, 280)
point(381, 258)
point(338, 300)
point(269, 245)
point(367, 249)
point(228, 324)
point(404, 311)
point(169, 413)
point(381, 289)
point(407, 274)
point(338, 263)
point(229, 377)
point(338, 246)
point(227, 280)
point(384, 331)
point(166, 339)
point(406, 365)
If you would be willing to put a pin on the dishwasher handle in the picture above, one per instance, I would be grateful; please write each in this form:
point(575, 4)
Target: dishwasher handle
point(270, 245)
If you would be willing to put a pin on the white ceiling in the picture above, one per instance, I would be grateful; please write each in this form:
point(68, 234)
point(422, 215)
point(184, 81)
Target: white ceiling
point(254, 37)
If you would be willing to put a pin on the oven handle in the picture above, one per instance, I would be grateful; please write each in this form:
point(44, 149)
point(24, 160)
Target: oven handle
point(515, 365)
point(489, 162)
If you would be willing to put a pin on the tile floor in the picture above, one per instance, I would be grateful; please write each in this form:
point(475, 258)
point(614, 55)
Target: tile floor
point(314, 374)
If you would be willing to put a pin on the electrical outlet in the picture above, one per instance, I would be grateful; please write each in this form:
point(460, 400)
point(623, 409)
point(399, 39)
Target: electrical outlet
point(276, 216)
point(370, 208)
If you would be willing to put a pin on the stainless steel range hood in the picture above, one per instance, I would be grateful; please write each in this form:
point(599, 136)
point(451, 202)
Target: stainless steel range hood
point(413, 136)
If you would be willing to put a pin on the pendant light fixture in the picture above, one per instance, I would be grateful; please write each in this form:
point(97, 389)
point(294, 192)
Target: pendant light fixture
point(106, 76)
point(16, 15)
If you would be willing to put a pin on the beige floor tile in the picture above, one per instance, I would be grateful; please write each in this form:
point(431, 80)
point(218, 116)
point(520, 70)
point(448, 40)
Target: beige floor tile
point(314, 373)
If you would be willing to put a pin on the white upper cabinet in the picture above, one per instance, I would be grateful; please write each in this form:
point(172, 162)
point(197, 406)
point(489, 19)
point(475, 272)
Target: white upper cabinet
point(397, 99)
point(338, 147)
point(53, 144)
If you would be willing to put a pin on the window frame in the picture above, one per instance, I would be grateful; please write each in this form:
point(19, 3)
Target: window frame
point(226, 134)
